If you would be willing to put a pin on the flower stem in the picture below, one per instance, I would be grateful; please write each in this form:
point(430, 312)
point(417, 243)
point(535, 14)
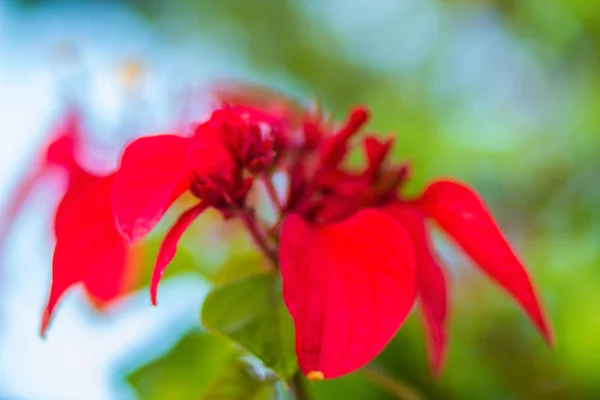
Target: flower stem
point(398, 389)
point(298, 388)
point(259, 238)
point(272, 193)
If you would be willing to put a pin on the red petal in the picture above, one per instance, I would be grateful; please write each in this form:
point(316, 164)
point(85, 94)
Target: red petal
point(80, 181)
point(88, 244)
point(66, 137)
point(169, 246)
point(105, 278)
point(431, 282)
point(104, 285)
point(153, 173)
point(208, 153)
point(376, 151)
point(335, 148)
point(463, 215)
point(348, 286)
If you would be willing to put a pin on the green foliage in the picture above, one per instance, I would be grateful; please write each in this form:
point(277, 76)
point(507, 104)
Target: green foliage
point(186, 371)
point(200, 367)
point(250, 311)
point(239, 265)
point(353, 386)
point(236, 382)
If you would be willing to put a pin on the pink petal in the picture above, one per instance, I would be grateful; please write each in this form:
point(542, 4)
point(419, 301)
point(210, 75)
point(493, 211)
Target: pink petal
point(153, 173)
point(169, 246)
point(348, 286)
point(464, 216)
point(431, 282)
point(88, 244)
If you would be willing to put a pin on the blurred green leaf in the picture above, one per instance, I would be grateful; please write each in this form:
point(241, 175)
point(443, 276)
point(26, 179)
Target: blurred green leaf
point(239, 265)
point(352, 386)
point(236, 382)
point(251, 312)
point(184, 372)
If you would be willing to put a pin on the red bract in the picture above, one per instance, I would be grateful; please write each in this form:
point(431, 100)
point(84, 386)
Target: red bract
point(348, 286)
point(431, 283)
point(97, 257)
point(108, 275)
point(461, 213)
point(169, 246)
point(148, 181)
point(353, 252)
point(156, 170)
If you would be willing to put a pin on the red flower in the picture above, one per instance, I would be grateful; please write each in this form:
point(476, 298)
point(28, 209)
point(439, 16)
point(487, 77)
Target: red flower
point(156, 170)
point(105, 278)
point(353, 252)
point(335, 199)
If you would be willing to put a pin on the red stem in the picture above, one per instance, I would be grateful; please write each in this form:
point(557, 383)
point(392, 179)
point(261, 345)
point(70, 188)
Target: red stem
point(259, 238)
point(272, 193)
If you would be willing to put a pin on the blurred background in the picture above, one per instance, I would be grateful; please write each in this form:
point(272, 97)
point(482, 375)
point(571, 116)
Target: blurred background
point(504, 94)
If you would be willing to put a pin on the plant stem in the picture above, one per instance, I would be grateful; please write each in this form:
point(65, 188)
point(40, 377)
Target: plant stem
point(298, 388)
point(272, 193)
point(400, 390)
point(259, 238)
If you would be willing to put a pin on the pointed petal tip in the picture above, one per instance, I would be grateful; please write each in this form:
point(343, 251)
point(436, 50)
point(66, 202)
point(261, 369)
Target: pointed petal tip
point(168, 247)
point(431, 283)
point(45, 324)
point(545, 329)
point(315, 376)
point(153, 296)
point(437, 358)
point(436, 365)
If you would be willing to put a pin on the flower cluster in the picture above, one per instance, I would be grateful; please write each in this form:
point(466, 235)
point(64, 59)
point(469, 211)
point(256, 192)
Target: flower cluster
point(354, 253)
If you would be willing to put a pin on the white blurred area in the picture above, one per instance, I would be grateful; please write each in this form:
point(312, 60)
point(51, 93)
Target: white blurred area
point(81, 55)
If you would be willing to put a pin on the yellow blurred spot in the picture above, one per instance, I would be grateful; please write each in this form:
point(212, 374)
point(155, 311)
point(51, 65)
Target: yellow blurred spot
point(131, 73)
point(315, 376)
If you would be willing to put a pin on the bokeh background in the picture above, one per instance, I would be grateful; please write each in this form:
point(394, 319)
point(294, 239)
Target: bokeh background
point(504, 94)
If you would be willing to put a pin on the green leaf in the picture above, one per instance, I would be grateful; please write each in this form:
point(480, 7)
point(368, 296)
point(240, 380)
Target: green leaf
point(236, 382)
point(186, 371)
point(250, 311)
point(239, 266)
